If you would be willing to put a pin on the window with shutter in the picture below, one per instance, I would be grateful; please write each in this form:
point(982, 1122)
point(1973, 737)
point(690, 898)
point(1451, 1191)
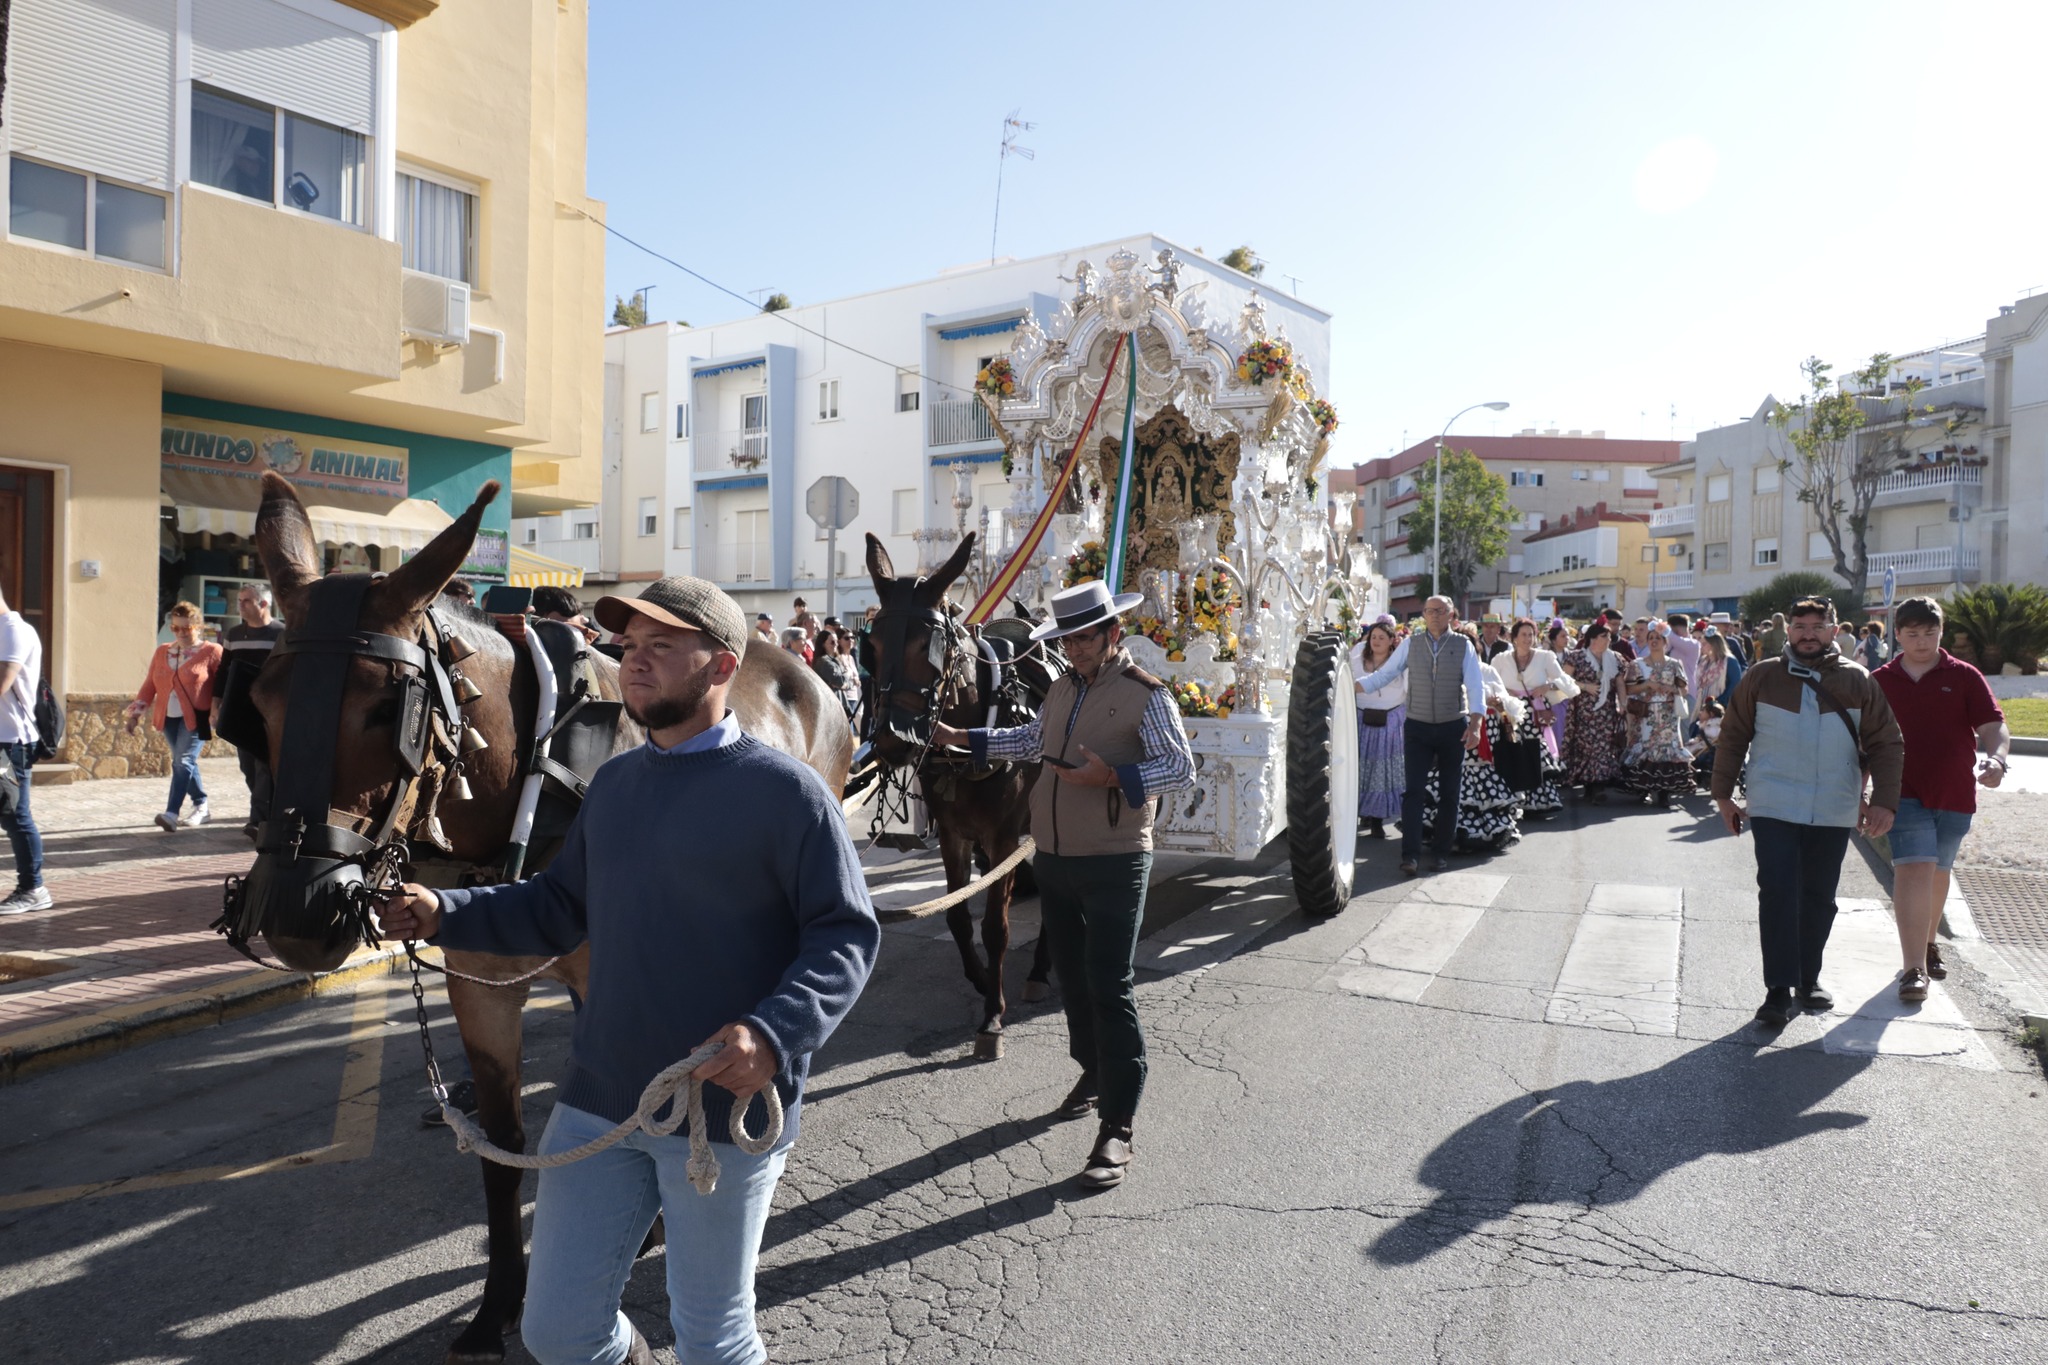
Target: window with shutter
point(89, 86)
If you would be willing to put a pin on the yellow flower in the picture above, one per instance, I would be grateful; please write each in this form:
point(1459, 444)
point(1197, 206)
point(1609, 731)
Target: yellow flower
point(1174, 656)
point(1223, 713)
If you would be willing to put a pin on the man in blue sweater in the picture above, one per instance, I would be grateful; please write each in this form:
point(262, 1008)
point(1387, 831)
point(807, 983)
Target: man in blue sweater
point(723, 902)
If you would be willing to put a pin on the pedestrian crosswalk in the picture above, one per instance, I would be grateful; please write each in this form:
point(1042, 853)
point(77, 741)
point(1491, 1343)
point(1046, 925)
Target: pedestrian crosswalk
point(1623, 967)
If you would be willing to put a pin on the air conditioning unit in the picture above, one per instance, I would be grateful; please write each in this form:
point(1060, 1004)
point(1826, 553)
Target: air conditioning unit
point(433, 309)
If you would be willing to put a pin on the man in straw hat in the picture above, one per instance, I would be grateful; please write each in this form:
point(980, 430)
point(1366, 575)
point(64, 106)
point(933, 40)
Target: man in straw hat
point(1112, 741)
point(722, 900)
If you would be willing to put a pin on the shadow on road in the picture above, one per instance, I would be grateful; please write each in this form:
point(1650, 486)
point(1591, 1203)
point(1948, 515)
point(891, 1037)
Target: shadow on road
point(1601, 1142)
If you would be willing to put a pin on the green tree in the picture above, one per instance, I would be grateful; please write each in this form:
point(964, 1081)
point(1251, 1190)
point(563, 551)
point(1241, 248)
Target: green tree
point(776, 303)
point(1760, 604)
point(1841, 438)
point(629, 312)
point(1477, 518)
point(1242, 258)
point(1996, 624)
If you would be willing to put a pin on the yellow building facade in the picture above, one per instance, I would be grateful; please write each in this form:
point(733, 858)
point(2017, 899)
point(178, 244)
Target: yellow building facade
point(1589, 559)
point(347, 241)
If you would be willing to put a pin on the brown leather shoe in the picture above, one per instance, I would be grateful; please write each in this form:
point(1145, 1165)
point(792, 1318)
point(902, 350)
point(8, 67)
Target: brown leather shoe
point(1109, 1160)
point(1912, 986)
point(1935, 968)
point(1080, 1101)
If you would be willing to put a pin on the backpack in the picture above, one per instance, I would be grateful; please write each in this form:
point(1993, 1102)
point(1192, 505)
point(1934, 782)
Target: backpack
point(49, 717)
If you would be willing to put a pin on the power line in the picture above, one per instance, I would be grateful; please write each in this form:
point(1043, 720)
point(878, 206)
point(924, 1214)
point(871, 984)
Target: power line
point(733, 293)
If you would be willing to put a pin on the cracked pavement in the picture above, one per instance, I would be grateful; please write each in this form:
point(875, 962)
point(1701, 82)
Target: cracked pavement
point(1455, 1171)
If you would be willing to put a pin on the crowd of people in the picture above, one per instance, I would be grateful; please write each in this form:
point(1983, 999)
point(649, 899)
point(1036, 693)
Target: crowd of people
point(1466, 732)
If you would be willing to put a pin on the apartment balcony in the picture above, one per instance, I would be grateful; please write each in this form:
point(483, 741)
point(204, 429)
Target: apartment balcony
point(1673, 521)
point(1402, 567)
point(742, 449)
point(1944, 564)
point(959, 421)
point(1938, 484)
point(745, 561)
point(1672, 584)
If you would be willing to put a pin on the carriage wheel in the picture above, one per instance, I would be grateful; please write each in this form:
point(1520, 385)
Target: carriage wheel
point(1322, 775)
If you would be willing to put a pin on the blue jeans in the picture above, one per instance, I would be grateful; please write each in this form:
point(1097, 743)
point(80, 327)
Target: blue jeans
point(590, 1218)
point(1425, 745)
point(185, 746)
point(1921, 835)
point(21, 826)
point(1797, 870)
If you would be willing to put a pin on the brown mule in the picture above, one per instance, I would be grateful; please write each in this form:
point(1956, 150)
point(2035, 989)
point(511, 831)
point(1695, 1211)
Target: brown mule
point(987, 813)
point(775, 698)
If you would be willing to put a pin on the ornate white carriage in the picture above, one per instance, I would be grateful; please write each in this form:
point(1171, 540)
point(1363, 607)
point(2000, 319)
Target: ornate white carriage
point(1248, 570)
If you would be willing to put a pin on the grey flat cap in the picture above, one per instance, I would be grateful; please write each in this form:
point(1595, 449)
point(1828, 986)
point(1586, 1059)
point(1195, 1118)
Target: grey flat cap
point(681, 601)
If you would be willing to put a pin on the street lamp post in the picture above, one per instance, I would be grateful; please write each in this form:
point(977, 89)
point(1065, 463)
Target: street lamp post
point(1436, 535)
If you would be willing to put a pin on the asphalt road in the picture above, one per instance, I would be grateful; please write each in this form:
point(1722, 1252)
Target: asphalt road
point(1448, 1125)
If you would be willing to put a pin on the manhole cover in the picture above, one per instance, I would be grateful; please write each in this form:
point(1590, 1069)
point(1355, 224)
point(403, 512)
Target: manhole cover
point(2009, 907)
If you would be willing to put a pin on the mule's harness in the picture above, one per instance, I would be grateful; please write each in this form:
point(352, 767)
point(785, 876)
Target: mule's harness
point(336, 865)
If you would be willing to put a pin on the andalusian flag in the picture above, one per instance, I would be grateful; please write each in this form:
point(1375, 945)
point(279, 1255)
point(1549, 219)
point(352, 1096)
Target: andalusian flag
point(1119, 529)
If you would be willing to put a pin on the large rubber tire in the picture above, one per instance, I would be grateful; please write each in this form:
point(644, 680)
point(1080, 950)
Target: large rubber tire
point(1322, 775)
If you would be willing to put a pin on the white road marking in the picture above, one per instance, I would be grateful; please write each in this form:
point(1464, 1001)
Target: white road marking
point(1621, 971)
point(1405, 951)
point(1869, 1019)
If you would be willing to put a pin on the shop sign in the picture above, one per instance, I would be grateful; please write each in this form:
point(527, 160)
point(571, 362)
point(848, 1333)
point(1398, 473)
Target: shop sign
point(312, 463)
point(489, 557)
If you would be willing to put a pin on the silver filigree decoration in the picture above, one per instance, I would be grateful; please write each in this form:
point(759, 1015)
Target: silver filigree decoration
point(1126, 301)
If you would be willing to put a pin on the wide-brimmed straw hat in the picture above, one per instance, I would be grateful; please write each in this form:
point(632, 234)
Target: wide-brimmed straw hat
point(1084, 605)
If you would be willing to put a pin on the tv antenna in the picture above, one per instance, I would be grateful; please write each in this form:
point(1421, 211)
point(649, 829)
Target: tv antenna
point(1012, 125)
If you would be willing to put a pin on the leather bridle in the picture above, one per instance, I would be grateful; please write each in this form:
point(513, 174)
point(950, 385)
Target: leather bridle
point(319, 871)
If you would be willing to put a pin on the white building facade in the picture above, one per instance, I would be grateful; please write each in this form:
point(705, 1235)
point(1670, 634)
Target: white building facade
point(2016, 437)
point(713, 434)
point(1735, 520)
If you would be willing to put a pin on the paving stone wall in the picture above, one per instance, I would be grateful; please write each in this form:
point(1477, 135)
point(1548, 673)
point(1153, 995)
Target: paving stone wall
point(96, 738)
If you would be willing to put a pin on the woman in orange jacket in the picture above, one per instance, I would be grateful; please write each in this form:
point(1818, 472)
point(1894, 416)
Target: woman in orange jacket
point(178, 698)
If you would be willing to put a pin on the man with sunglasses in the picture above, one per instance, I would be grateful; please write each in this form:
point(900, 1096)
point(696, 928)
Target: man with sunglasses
point(1112, 742)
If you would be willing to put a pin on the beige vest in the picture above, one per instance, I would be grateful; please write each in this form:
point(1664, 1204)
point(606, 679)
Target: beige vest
point(1077, 822)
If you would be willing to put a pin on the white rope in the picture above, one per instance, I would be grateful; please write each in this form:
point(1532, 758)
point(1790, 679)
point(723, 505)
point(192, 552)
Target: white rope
point(982, 883)
point(662, 1090)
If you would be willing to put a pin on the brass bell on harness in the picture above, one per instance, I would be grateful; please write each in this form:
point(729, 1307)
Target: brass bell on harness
point(458, 649)
point(457, 788)
point(465, 690)
point(473, 741)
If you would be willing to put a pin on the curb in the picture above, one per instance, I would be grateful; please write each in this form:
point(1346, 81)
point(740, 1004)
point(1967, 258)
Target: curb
point(115, 1029)
point(2026, 744)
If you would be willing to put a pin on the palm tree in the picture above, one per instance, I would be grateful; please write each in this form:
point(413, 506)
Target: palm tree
point(1998, 623)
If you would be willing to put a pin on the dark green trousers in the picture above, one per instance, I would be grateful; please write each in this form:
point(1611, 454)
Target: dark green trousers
point(1091, 908)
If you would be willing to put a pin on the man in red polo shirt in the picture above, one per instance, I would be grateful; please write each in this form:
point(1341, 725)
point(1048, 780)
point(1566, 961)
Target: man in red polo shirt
point(1946, 711)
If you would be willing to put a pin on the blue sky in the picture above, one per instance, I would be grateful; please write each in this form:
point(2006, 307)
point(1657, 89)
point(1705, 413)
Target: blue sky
point(1598, 212)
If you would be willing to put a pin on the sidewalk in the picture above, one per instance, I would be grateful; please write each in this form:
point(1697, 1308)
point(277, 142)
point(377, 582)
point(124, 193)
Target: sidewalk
point(126, 953)
point(2001, 886)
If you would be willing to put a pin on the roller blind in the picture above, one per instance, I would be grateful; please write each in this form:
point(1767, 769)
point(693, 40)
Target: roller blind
point(271, 52)
point(89, 85)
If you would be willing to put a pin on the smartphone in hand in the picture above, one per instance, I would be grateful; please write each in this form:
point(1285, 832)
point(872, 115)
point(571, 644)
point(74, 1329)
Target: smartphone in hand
point(1059, 762)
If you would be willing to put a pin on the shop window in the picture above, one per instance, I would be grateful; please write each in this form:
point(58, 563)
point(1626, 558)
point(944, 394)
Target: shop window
point(86, 213)
point(278, 158)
